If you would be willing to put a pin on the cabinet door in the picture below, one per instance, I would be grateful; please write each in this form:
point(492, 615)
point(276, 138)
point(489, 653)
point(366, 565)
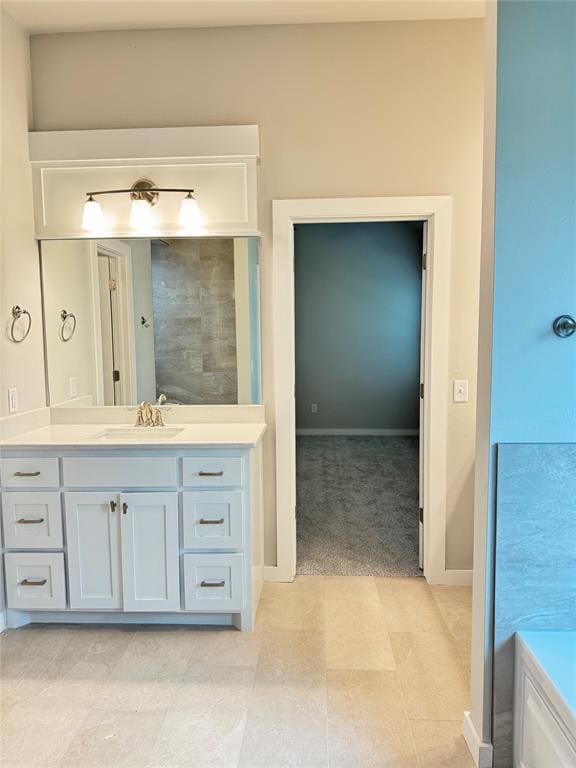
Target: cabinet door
point(150, 571)
point(93, 541)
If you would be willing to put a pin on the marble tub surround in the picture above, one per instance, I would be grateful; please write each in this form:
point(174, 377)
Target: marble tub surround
point(535, 579)
point(298, 692)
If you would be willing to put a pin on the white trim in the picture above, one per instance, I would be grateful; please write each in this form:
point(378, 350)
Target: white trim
point(457, 578)
point(437, 211)
point(359, 432)
point(138, 143)
point(481, 751)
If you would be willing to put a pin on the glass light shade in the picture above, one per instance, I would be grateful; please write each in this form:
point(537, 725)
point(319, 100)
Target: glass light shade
point(190, 217)
point(92, 218)
point(141, 215)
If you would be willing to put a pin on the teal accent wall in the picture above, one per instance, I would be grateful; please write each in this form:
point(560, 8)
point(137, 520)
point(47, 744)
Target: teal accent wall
point(533, 393)
point(534, 372)
point(358, 295)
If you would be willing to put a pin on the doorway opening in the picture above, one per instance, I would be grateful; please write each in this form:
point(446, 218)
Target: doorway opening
point(436, 211)
point(359, 289)
point(113, 322)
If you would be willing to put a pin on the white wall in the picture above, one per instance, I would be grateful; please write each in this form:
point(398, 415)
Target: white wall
point(21, 365)
point(391, 108)
point(67, 281)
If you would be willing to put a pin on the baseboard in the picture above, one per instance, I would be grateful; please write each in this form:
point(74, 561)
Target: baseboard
point(345, 431)
point(481, 751)
point(455, 578)
point(274, 573)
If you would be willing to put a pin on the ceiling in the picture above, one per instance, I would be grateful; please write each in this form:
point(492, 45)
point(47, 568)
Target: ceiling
point(50, 16)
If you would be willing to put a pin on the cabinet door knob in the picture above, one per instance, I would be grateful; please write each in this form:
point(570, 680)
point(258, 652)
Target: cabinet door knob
point(113, 506)
point(124, 507)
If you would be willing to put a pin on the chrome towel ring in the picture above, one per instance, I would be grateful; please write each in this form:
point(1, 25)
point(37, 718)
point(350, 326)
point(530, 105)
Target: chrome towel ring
point(17, 313)
point(66, 332)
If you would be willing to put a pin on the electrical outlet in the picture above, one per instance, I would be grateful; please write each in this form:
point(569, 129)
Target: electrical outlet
point(72, 386)
point(460, 391)
point(313, 407)
point(13, 400)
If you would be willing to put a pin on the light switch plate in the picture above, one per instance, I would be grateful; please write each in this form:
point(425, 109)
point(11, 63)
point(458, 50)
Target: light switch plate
point(313, 407)
point(460, 390)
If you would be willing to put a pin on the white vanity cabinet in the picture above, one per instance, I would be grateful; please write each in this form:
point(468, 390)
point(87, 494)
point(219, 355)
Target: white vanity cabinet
point(142, 535)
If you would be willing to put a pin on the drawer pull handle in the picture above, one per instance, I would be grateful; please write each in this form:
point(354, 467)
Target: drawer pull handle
point(211, 474)
point(27, 474)
point(212, 583)
point(203, 521)
point(113, 506)
point(33, 582)
point(30, 520)
point(124, 507)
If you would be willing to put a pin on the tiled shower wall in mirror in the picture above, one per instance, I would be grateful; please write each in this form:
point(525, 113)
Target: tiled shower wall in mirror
point(194, 320)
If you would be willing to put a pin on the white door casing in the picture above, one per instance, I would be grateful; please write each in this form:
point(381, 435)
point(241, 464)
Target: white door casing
point(437, 212)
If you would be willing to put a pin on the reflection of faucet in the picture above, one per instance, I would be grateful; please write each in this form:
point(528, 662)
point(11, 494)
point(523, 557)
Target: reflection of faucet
point(147, 416)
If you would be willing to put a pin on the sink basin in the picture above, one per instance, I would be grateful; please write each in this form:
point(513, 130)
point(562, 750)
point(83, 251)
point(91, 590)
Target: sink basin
point(139, 434)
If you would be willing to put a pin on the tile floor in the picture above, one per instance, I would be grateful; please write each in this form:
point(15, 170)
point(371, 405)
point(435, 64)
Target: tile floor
point(341, 672)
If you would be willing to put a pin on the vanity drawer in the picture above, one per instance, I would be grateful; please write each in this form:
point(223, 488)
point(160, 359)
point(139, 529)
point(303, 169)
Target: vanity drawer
point(213, 519)
point(29, 473)
point(35, 581)
point(119, 472)
point(32, 520)
point(212, 470)
point(213, 582)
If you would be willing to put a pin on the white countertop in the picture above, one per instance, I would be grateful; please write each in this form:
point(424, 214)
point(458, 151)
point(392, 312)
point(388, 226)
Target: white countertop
point(91, 436)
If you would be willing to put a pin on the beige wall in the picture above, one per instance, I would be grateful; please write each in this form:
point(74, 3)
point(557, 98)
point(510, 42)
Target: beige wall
point(344, 110)
point(21, 365)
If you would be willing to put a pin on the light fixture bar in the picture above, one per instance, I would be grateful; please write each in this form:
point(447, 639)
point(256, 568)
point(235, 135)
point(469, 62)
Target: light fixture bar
point(135, 191)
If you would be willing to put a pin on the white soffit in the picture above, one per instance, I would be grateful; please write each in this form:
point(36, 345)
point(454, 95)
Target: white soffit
point(52, 16)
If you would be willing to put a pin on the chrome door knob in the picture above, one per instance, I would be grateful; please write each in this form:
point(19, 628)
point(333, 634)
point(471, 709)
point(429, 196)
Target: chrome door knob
point(564, 326)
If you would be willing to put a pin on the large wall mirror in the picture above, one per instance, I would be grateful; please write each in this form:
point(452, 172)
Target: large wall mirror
point(175, 320)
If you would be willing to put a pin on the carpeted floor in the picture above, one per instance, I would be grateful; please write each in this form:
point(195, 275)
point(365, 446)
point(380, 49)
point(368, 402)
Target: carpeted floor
point(357, 506)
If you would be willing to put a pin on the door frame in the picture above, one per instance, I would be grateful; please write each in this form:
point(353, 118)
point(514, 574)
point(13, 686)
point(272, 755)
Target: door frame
point(122, 252)
point(437, 211)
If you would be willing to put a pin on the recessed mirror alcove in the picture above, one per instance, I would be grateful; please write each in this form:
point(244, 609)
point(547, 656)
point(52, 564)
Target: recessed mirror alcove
point(166, 319)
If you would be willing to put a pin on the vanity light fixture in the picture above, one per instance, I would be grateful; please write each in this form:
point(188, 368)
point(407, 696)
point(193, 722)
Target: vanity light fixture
point(144, 194)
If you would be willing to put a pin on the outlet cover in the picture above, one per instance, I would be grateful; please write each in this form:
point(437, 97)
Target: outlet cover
point(460, 392)
point(13, 400)
point(313, 407)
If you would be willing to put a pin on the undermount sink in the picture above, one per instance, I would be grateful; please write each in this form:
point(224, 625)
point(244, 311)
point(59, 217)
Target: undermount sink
point(139, 434)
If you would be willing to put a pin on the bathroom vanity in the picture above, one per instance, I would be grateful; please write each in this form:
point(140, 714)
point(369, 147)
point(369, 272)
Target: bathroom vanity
point(112, 523)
